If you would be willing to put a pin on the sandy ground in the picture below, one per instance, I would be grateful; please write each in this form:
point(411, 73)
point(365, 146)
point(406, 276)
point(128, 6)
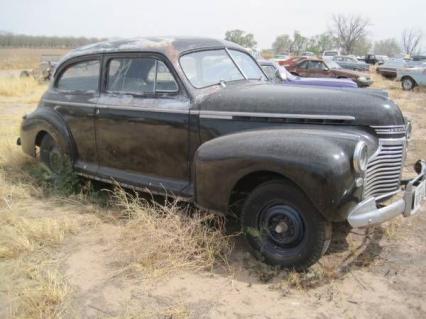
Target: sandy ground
point(381, 275)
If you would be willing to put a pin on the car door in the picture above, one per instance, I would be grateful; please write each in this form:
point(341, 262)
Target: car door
point(317, 69)
point(74, 94)
point(301, 69)
point(142, 125)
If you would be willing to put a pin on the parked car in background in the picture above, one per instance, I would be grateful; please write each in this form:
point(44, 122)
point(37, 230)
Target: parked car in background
point(418, 57)
point(308, 53)
point(330, 53)
point(278, 74)
point(412, 77)
point(351, 63)
point(197, 119)
point(389, 68)
point(319, 68)
point(280, 58)
point(375, 59)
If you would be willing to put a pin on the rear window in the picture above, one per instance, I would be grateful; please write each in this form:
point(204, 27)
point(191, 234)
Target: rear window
point(81, 76)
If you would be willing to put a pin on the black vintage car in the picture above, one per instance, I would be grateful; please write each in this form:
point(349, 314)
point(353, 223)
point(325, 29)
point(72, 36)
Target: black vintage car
point(195, 118)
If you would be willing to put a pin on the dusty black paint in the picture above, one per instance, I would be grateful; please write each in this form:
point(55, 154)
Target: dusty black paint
point(164, 143)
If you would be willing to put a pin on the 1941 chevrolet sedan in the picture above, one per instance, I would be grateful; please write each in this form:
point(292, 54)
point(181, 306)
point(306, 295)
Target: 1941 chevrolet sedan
point(195, 118)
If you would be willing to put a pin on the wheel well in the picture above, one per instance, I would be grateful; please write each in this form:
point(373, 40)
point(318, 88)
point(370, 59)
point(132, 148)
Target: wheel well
point(39, 137)
point(408, 77)
point(247, 184)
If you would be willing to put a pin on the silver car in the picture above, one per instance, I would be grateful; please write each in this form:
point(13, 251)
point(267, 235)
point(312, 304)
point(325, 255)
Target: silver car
point(412, 77)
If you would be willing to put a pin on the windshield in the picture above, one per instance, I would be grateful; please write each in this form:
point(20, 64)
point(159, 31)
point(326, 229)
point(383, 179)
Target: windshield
point(332, 65)
point(210, 67)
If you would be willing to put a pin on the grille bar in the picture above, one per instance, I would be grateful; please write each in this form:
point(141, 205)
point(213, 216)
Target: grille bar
point(384, 168)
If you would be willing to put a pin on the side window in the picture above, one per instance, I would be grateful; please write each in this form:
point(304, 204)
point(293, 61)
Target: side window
point(303, 65)
point(165, 80)
point(131, 75)
point(81, 76)
point(314, 65)
point(139, 76)
point(270, 71)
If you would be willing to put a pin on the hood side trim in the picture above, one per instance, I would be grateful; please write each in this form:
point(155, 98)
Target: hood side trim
point(231, 115)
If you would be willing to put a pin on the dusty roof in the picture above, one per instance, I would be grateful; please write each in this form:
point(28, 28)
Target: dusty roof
point(166, 45)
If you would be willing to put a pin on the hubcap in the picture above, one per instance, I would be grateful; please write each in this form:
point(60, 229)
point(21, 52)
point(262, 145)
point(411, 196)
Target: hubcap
point(407, 84)
point(283, 225)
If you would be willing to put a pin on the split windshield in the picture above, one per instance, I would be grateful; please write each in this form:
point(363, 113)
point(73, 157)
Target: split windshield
point(210, 67)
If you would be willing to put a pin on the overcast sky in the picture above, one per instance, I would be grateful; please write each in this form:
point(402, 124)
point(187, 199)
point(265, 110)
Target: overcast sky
point(265, 19)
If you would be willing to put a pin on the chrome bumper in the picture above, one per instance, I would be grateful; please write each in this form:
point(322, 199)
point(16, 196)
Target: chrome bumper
point(367, 213)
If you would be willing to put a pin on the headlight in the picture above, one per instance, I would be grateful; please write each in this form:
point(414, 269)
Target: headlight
point(360, 159)
point(362, 78)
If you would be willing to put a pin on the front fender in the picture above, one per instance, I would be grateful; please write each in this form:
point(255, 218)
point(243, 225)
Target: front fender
point(318, 161)
point(45, 120)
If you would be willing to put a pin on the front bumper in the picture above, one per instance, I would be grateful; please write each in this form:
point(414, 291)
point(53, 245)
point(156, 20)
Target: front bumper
point(367, 213)
point(364, 83)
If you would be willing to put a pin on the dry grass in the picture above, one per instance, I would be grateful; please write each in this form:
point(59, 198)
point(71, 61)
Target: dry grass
point(161, 239)
point(22, 58)
point(43, 293)
point(21, 90)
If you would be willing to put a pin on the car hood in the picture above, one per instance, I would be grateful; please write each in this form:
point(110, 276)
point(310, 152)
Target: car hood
point(349, 73)
point(322, 82)
point(367, 107)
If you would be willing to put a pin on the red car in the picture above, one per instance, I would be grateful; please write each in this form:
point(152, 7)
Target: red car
point(318, 68)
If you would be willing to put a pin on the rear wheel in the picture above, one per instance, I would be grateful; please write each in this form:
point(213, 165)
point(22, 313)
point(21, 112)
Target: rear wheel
point(52, 155)
point(282, 227)
point(407, 83)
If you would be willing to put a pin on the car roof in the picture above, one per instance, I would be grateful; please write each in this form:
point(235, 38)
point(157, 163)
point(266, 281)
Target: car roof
point(169, 46)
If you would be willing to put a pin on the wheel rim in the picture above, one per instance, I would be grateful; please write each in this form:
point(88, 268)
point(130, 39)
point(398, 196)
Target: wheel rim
point(406, 84)
point(55, 160)
point(283, 225)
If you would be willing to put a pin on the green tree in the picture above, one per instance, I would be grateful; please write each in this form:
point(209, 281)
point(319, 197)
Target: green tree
point(361, 47)
point(241, 37)
point(282, 43)
point(389, 47)
point(321, 42)
point(299, 43)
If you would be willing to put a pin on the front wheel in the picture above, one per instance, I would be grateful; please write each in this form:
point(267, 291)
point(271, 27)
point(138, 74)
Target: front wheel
point(282, 227)
point(408, 84)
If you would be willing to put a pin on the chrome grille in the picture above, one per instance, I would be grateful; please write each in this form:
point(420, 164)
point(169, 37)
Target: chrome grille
point(384, 168)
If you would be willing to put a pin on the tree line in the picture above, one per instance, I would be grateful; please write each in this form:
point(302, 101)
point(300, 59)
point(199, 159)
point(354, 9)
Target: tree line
point(32, 41)
point(349, 33)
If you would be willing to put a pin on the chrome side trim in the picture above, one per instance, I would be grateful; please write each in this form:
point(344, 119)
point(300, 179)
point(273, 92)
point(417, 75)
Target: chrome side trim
point(231, 115)
point(144, 109)
point(69, 103)
point(214, 114)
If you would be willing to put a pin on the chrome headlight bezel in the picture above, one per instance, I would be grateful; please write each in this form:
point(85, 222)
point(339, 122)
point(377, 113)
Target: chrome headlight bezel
point(360, 157)
point(408, 129)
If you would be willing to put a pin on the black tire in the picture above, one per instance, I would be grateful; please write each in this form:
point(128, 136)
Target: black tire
point(407, 83)
point(52, 155)
point(282, 227)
